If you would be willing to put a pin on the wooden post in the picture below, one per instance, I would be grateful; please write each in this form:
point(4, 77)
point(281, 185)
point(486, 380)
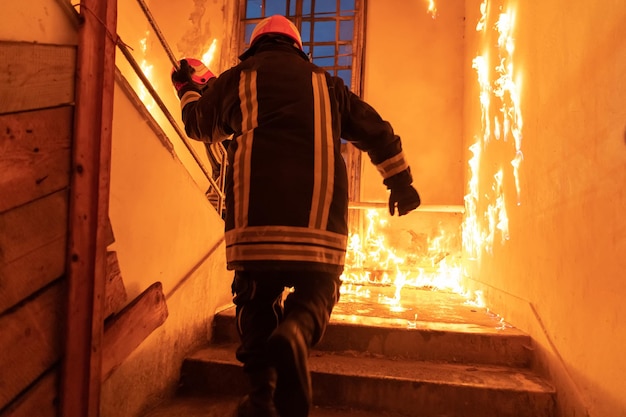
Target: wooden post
point(89, 200)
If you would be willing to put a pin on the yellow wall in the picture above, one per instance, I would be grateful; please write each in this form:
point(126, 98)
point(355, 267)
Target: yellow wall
point(413, 76)
point(165, 228)
point(560, 274)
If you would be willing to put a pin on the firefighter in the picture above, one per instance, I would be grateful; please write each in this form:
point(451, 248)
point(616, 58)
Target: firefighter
point(286, 199)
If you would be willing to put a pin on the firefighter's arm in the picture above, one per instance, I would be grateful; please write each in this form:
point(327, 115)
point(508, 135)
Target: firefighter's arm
point(192, 81)
point(365, 129)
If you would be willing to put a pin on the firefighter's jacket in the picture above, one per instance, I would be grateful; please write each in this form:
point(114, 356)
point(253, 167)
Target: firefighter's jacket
point(286, 184)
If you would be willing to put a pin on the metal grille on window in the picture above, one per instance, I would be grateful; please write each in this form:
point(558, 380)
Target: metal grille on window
point(327, 28)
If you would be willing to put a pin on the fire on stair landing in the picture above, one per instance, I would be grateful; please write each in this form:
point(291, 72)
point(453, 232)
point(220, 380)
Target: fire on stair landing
point(388, 259)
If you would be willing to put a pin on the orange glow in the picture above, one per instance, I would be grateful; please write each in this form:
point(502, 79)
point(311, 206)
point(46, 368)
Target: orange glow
point(147, 68)
point(432, 9)
point(371, 260)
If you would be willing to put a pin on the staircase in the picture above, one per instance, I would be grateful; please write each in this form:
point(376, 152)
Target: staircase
point(430, 355)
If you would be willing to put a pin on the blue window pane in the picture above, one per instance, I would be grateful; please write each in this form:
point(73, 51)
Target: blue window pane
point(324, 31)
point(306, 8)
point(254, 9)
point(249, 29)
point(305, 32)
point(306, 49)
point(324, 62)
point(273, 7)
point(325, 7)
point(324, 55)
point(346, 30)
point(346, 76)
point(324, 51)
point(347, 8)
point(345, 55)
point(292, 7)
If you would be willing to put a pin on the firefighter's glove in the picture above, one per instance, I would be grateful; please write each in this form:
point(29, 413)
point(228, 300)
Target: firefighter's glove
point(181, 77)
point(192, 75)
point(405, 198)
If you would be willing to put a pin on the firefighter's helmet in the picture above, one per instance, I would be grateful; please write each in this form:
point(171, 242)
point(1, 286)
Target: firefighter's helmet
point(276, 25)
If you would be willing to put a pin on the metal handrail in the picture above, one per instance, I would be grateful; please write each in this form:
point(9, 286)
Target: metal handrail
point(218, 186)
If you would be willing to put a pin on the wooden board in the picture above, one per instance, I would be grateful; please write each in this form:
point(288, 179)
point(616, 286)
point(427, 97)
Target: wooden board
point(32, 247)
point(33, 225)
point(114, 291)
point(30, 341)
point(40, 400)
point(29, 273)
point(35, 76)
point(109, 236)
point(126, 330)
point(34, 154)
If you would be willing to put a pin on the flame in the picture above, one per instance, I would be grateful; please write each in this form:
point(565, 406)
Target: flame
point(432, 9)
point(371, 260)
point(482, 22)
point(147, 68)
point(507, 90)
point(486, 214)
point(207, 57)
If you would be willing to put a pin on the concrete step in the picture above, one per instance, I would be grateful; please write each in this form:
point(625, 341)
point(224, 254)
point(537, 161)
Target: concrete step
point(363, 381)
point(225, 406)
point(461, 342)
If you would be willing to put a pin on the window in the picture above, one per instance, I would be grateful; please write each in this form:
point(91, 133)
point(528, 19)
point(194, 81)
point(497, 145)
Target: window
point(331, 30)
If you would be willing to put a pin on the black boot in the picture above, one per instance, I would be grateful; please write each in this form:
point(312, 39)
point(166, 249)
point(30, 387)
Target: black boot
point(260, 400)
point(288, 350)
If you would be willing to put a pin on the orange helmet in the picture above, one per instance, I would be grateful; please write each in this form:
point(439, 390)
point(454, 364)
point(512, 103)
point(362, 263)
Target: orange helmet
point(201, 73)
point(277, 25)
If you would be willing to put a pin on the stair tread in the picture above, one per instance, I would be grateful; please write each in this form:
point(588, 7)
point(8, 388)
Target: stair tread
point(363, 365)
point(487, 328)
point(195, 406)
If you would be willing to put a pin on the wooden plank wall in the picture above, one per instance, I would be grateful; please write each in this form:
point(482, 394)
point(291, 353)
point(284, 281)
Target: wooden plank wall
point(36, 125)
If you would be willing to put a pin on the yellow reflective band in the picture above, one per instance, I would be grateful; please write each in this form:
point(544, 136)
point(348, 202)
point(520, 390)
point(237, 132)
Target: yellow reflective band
point(243, 156)
point(392, 166)
point(189, 97)
point(324, 168)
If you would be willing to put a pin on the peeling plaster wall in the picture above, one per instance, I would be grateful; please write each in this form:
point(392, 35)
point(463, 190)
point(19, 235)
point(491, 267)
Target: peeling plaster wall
point(560, 274)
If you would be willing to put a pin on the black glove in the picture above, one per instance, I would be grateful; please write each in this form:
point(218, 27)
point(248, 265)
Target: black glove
point(405, 198)
point(182, 76)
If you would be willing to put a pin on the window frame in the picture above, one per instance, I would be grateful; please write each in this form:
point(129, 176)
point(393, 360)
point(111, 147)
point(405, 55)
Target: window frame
point(358, 39)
